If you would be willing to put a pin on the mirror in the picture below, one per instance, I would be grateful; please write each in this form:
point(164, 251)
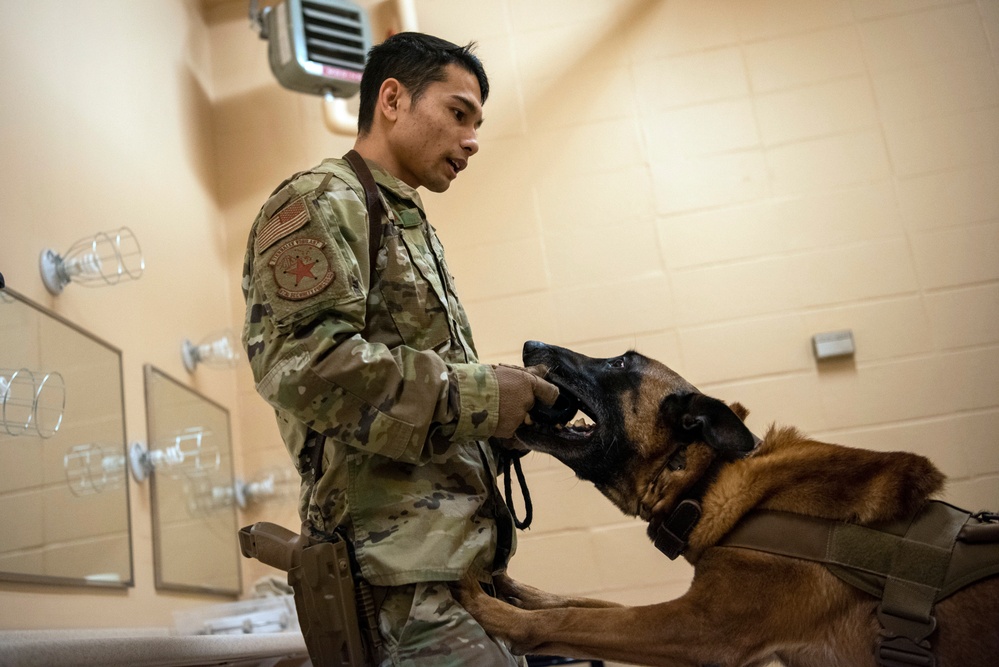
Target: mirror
point(64, 512)
point(195, 547)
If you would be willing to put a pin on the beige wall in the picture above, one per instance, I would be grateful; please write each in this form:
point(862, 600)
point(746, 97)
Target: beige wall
point(709, 181)
point(106, 122)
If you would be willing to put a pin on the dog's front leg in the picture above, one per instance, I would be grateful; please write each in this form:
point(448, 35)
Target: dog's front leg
point(529, 597)
point(674, 633)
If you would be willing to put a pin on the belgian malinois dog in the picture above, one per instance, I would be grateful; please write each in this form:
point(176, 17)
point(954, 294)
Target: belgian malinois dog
point(653, 443)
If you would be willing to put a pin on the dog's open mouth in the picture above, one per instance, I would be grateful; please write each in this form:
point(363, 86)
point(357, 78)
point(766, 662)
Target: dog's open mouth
point(555, 420)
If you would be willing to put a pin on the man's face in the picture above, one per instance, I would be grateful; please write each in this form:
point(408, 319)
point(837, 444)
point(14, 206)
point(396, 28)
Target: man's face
point(433, 139)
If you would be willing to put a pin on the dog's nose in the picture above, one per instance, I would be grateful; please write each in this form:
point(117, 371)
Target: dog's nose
point(533, 346)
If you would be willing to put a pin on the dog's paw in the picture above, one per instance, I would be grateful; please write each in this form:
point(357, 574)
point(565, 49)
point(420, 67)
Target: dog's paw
point(467, 591)
point(498, 618)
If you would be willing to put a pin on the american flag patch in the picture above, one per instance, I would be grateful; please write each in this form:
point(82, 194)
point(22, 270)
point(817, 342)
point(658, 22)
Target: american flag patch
point(287, 220)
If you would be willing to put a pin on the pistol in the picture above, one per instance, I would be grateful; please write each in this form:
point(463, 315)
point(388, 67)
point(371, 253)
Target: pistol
point(320, 574)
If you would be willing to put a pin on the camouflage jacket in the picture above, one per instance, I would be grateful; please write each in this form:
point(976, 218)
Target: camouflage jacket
point(388, 372)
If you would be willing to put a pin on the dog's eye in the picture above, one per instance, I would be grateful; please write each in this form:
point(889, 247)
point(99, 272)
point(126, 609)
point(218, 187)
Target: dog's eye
point(616, 362)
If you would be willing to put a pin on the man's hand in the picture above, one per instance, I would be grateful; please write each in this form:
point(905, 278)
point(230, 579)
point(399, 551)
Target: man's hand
point(519, 389)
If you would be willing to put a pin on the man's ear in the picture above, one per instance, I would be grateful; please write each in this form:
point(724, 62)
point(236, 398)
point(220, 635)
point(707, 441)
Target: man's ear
point(389, 97)
point(712, 421)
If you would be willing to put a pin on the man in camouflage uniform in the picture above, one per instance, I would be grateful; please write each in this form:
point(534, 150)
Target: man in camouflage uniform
point(381, 362)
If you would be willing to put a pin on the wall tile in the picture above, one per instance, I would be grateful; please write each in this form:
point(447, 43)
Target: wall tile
point(720, 235)
point(761, 19)
point(745, 349)
point(848, 273)
point(683, 26)
point(958, 256)
point(974, 494)
point(502, 325)
point(828, 163)
point(596, 257)
point(502, 269)
point(734, 291)
point(866, 9)
point(937, 89)
point(690, 79)
point(616, 309)
point(882, 329)
point(627, 558)
point(703, 129)
point(587, 149)
point(920, 387)
point(965, 317)
point(604, 94)
point(866, 212)
point(936, 35)
point(960, 445)
point(804, 59)
point(684, 184)
point(527, 15)
point(770, 227)
point(501, 174)
point(790, 400)
point(554, 51)
point(650, 594)
point(946, 142)
point(453, 20)
point(834, 107)
point(562, 563)
point(564, 502)
point(604, 201)
point(950, 198)
point(504, 110)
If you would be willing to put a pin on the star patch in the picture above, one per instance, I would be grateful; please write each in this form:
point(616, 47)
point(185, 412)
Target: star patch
point(301, 269)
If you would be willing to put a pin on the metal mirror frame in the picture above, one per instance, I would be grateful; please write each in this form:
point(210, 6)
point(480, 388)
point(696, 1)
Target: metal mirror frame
point(82, 581)
point(151, 373)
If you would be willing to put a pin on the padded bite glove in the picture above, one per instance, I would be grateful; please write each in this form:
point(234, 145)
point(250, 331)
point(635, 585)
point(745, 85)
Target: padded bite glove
point(519, 388)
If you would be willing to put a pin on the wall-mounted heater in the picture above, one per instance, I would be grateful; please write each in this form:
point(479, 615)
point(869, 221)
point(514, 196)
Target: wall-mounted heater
point(315, 46)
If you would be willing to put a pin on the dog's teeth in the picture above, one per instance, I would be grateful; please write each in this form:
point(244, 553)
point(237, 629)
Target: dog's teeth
point(528, 420)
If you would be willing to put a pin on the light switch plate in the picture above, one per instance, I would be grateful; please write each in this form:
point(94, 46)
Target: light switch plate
point(832, 344)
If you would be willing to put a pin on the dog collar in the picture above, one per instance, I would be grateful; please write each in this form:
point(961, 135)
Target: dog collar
point(670, 536)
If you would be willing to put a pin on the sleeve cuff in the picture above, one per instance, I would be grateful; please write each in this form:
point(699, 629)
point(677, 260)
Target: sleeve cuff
point(478, 392)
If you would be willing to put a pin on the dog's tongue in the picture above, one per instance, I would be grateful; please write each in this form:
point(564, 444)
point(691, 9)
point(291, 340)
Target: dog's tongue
point(561, 412)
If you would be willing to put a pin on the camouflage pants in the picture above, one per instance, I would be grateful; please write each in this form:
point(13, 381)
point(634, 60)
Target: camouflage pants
point(423, 626)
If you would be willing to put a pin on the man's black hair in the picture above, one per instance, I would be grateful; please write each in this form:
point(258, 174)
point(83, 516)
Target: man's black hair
point(416, 60)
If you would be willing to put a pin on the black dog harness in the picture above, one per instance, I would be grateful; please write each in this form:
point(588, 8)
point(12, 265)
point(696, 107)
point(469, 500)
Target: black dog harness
point(909, 565)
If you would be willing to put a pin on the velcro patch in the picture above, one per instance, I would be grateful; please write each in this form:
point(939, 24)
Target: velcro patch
point(293, 216)
point(301, 269)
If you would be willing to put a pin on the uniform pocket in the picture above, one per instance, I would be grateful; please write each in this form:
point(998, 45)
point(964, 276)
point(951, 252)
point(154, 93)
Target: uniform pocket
point(410, 297)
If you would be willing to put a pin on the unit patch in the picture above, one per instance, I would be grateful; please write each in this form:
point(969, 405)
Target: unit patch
point(301, 269)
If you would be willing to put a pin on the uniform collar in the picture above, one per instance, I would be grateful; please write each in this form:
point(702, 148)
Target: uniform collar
point(394, 185)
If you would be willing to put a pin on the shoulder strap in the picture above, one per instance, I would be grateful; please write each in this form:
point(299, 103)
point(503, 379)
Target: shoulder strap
point(315, 442)
point(373, 202)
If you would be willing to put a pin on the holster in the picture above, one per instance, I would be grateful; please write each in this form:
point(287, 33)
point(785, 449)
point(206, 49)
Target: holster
point(325, 599)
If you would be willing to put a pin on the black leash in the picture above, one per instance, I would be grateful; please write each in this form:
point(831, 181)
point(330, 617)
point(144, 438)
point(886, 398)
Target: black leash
point(508, 459)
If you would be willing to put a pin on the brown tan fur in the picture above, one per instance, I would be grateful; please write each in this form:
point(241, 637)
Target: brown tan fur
point(743, 607)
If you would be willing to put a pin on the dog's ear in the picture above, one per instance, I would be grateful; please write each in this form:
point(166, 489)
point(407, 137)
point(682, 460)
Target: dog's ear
point(740, 410)
point(713, 422)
